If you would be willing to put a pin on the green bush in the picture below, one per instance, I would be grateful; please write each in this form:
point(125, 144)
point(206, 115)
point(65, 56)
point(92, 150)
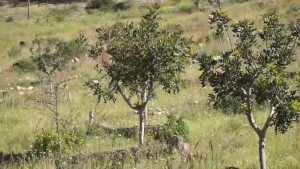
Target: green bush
point(241, 1)
point(46, 142)
point(24, 65)
point(14, 52)
point(121, 6)
point(100, 4)
point(186, 7)
point(173, 126)
point(94, 130)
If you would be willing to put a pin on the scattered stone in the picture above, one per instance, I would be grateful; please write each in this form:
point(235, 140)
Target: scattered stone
point(15, 158)
point(95, 81)
point(193, 102)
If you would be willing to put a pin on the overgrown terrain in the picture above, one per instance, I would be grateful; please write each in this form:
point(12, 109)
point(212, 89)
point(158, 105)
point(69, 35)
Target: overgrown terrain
point(217, 138)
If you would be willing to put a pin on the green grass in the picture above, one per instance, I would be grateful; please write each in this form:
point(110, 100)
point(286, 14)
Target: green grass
point(217, 140)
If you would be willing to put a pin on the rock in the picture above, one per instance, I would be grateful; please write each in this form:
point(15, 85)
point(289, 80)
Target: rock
point(95, 81)
point(193, 102)
point(177, 142)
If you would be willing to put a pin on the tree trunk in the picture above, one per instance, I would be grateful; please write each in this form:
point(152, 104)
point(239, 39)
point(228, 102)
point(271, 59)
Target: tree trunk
point(144, 99)
point(28, 12)
point(142, 127)
point(59, 155)
point(262, 153)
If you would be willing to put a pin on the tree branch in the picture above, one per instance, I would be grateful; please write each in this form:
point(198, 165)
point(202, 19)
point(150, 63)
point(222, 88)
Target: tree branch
point(125, 98)
point(269, 120)
point(253, 123)
point(250, 115)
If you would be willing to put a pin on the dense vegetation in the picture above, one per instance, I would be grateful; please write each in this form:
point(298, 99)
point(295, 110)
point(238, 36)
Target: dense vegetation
point(47, 75)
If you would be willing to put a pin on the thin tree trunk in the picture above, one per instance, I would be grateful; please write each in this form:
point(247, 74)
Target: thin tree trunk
point(59, 155)
point(28, 12)
point(144, 99)
point(262, 153)
point(142, 127)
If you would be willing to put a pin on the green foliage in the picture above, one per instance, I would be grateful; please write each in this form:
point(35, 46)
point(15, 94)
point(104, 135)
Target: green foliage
point(46, 142)
point(140, 55)
point(186, 7)
point(94, 130)
point(173, 126)
point(14, 52)
point(24, 65)
point(100, 4)
point(228, 104)
point(124, 5)
point(220, 19)
point(254, 72)
point(53, 55)
point(241, 1)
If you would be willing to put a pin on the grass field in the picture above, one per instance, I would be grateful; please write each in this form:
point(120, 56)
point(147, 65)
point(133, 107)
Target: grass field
point(217, 140)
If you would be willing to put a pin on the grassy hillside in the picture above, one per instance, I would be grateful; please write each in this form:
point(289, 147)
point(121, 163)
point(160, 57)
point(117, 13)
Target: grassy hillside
point(217, 140)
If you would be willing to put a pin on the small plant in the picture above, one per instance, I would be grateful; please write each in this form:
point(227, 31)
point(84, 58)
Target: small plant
point(173, 126)
point(46, 142)
point(14, 52)
point(196, 3)
point(186, 7)
point(93, 130)
point(24, 66)
point(100, 4)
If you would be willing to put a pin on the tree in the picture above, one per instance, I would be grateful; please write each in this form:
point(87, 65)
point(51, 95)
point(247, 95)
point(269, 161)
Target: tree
point(254, 72)
point(142, 56)
point(52, 57)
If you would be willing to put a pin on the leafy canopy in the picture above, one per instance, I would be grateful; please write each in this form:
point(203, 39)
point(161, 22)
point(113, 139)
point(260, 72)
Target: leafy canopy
point(141, 54)
point(52, 55)
point(254, 69)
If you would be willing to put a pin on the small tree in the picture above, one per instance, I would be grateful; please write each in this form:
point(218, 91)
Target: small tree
point(142, 55)
point(254, 72)
point(51, 57)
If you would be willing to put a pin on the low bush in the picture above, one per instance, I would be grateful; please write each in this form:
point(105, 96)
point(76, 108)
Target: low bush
point(46, 142)
point(173, 126)
point(24, 66)
point(14, 52)
point(100, 4)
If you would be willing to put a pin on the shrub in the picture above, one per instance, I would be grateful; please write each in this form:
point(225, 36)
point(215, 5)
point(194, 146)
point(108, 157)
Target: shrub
point(124, 5)
point(100, 4)
point(46, 142)
point(25, 66)
point(241, 1)
point(186, 7)
point(9, 19)
point(94, 130)
point(14, 52)
point(173, 126)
